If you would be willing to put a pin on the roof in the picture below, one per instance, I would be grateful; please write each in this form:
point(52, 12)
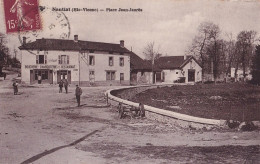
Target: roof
point(173, 62)
point(71, 45)
point(137, 63)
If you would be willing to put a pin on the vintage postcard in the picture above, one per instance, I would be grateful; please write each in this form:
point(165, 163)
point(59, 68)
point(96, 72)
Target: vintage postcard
point(129, 81)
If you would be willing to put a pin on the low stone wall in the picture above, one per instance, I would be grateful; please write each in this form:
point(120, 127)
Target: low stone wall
point(121, 95)
point(129, 93)
point(178, 122)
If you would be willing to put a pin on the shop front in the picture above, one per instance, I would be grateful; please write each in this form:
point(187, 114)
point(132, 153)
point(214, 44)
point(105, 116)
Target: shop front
point(49, 74)
point(41, 76)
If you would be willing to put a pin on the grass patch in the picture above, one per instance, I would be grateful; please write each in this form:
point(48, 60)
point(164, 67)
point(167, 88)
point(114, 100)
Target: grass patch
point(236, 101)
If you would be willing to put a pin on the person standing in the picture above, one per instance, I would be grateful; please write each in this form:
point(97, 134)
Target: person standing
point(39, 79)
point(15, 86)
point(66, 84)
point(60, 86)
point(78, 93)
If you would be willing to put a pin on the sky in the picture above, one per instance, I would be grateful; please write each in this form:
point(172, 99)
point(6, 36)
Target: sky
point(170, 24)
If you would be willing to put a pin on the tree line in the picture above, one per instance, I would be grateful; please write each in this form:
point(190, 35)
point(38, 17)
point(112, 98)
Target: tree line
point(217, 55)
point(5, 54)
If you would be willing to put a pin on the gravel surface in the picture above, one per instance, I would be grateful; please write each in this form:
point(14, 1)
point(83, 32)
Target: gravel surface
point(40, 125)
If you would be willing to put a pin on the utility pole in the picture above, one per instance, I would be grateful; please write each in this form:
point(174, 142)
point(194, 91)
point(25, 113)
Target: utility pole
point(79, 67)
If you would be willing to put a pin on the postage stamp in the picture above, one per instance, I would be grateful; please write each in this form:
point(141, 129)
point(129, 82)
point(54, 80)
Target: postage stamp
point(21, 15)
point(55, 25)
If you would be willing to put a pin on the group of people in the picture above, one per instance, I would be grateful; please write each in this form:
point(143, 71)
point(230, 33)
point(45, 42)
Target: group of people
point(64, 83)
point(78, 91)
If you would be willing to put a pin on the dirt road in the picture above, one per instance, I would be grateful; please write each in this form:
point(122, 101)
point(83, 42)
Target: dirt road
point(40, 125)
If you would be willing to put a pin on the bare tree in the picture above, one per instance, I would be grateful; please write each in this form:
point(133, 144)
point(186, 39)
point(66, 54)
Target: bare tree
point(151, 53)
point(245, 48)
point(231, 52)
point(208, 32)
point(217, 57)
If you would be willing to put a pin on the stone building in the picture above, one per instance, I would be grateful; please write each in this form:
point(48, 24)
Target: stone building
point(80, 62)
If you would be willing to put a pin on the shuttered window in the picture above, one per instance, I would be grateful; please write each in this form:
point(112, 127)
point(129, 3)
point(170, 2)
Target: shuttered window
point(68, 60)
point(41, 59)
point(59, 59)
point(37, 59)
point(121, 62)
point(64, 59)
point(45, 59)
point(91, 60)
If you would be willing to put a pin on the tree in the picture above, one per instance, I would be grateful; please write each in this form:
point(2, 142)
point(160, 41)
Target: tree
point(208, 33)
point(3, 51)
point(245, 49)
point(152, 54)
point(256, 67)
point(216, 52)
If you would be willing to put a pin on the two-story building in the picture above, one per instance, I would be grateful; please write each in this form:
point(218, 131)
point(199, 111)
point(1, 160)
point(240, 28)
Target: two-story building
point(80, 62)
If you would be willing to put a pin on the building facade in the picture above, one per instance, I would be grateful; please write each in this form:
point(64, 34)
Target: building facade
point(176, 67)
point(80, 62)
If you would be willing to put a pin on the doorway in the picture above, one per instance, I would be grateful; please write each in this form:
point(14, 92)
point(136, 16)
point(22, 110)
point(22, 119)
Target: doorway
point(92, 77)
point(45, 75)
point(64, 74)
point(191, 75)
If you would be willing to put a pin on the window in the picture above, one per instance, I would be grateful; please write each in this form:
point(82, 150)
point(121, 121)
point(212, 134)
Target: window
point(121, 62)
point(91, 51)
point(177, 72)
point(110, 52)
point(91, 60)
point(110, 61)
point(121, 76)
point(64, 59)
point(41, 59)
point(111, 75)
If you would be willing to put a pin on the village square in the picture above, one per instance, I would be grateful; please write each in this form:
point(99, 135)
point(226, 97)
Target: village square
point(129, 82)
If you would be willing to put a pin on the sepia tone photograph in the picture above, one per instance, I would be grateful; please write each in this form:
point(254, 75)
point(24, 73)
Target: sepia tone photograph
point(127, 81)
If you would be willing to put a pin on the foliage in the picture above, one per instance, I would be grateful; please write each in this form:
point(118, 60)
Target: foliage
point(256, 67)
point(217, 56)
point(245, 48)
point(5, 58)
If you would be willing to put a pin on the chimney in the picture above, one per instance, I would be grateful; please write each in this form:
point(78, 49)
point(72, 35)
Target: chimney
point(185, 57)
point(122, 43)
point(76, 37)
point(24, 40)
